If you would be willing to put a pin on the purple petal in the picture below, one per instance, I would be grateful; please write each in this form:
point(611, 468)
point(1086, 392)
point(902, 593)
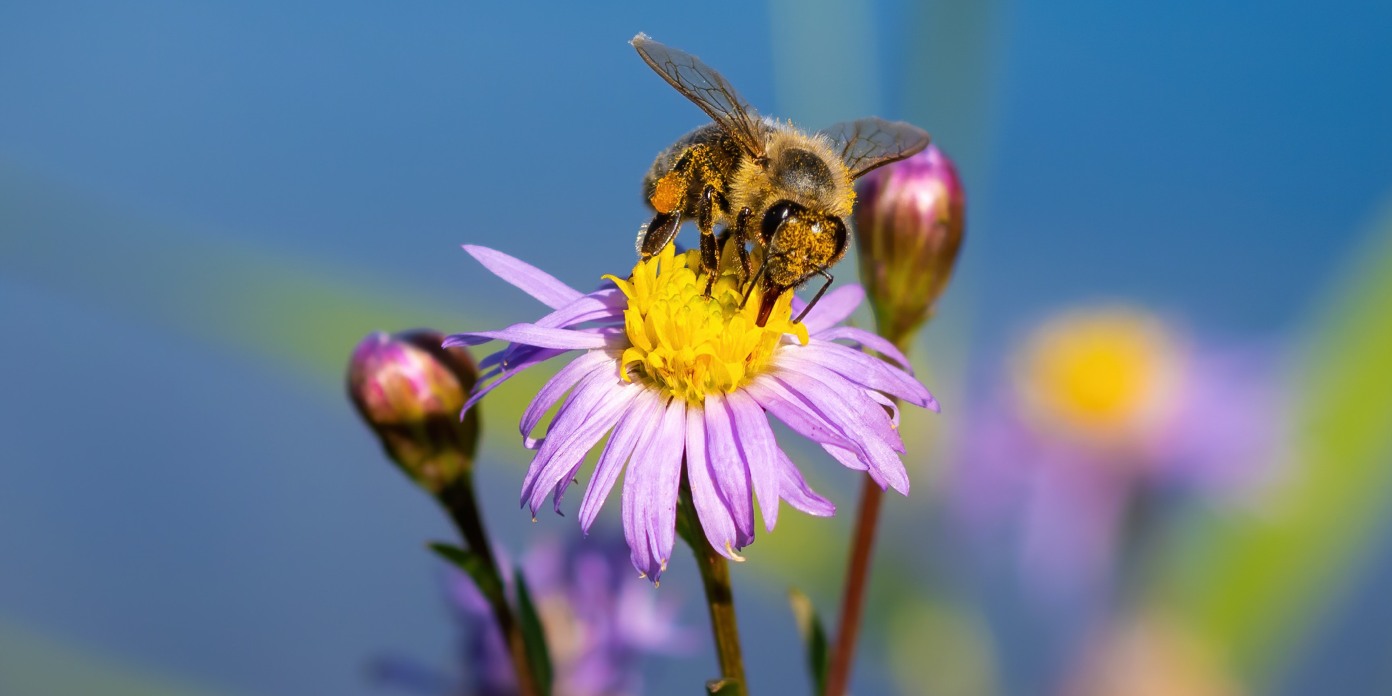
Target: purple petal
point(608, 303)
point(517, 352)
point(858, 406)
point(481, 389)
point(832, 309)
point(556, 387)
point(888, 403)
point(775, 398)
point(851, 459)
point(526, 277)
point(586, 436)
point(863, 369)
point(716, 519)
point(644, 411)
point(539, 336)
point(794, 489)
point(593, 408)
point(507, 356)
point(868, 428)
point(755, 440)
point(650, 492)
point(663, 503)
point(728, 467)
point(876, 343)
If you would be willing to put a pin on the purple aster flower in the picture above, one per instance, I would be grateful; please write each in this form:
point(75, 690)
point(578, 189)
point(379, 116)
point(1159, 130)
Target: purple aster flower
point(599, 622)
point(1104, 410)
point(676, 377)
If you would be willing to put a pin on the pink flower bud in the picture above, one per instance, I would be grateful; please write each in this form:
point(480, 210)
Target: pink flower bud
point(410, 391)
point(909, 220)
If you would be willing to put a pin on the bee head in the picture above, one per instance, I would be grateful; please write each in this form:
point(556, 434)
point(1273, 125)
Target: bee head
point(798, 243)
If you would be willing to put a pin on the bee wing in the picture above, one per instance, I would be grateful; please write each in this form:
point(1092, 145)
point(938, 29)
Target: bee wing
point(703, 85)
point(870, 142)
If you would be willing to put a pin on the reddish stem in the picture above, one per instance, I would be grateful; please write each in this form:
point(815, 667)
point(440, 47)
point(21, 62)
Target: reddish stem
point(853, 600)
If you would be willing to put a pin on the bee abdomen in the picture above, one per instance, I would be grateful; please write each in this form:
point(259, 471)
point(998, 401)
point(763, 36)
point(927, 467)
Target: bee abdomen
point(712, 159)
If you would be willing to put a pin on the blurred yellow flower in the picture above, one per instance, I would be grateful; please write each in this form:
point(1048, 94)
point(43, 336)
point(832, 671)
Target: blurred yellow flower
point(1108, 377)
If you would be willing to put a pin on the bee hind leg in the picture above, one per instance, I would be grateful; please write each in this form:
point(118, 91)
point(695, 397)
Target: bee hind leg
point(658, 233)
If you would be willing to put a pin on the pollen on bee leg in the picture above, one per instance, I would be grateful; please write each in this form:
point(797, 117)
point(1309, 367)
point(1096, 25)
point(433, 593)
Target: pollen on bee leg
point(667, 192)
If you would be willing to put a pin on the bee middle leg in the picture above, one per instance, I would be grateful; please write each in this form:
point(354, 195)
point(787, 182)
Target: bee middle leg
point(705, 220)
point(743, 237)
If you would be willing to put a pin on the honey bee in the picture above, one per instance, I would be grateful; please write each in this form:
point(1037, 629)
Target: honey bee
point(764, 180)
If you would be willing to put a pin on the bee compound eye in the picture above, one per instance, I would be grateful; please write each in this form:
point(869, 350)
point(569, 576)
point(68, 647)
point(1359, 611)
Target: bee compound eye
point(777, 213)
point(839, 236)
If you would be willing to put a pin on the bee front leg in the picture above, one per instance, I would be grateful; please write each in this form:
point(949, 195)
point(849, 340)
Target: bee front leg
point(815, 298)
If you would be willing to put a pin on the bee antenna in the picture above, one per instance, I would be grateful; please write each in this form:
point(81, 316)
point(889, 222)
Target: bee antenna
point(752, 284)
point(816, 297)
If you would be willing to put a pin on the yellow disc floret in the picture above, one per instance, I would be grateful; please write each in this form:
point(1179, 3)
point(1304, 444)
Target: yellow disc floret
point(690, 345)
point(1106, 374)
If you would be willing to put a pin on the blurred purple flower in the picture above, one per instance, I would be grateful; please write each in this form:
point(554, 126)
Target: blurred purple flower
point(1106, 410)
point(599, 621)
point(678, 367)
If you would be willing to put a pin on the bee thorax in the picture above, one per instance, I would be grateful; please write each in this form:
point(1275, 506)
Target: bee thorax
point(802, 173)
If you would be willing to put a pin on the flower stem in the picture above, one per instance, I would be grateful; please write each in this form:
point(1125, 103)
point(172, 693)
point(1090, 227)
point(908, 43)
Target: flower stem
point(857, 577)
point(458, 499)
point(720, 597)
point(853, 599)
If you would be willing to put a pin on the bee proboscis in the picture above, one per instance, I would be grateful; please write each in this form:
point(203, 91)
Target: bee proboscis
point(764, 180)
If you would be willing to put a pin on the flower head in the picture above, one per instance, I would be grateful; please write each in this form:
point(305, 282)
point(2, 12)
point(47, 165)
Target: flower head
point(909, 226)
point(685, 380)
point(1105, 378)
point(409, 390)
point(1100, 408)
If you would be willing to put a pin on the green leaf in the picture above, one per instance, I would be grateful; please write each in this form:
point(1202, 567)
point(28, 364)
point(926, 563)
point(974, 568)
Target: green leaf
point(814, 638)
point(533, 635)
point(473, 565)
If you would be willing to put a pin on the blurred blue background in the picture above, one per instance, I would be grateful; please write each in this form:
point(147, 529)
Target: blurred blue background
point(203, 206)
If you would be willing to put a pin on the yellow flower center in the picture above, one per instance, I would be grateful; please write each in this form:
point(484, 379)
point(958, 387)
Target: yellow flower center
point(690, 345)
point(1103, 375)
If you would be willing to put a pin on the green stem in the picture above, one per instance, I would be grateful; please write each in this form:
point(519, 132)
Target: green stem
point(720, 597)
point(458, 499)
